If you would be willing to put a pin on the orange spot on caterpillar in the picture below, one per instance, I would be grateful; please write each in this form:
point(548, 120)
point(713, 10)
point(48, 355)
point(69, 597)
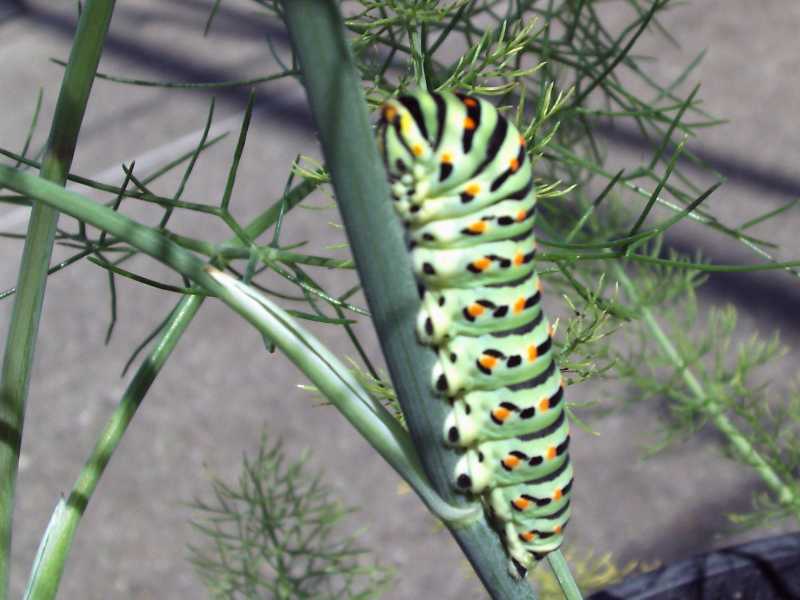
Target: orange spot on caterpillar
point(501, 414)
point(551, 453)
point(557, 495)
point(471, 102)
point(527, 536)
point(518, 258)
point(557, 529)
point(511, 461)
point(478, 227)
point(544, 405)
point(473, 189)
point(482, 264)
point(389, 113)
point(416, 149)
point(513, 165)
point(469, 123)
point(521, 140)
point(475, 310)
point(532, 353)
point(488, 362)
point(447, 158)
point(519, 305)
point(521, 503)
point(522, 215)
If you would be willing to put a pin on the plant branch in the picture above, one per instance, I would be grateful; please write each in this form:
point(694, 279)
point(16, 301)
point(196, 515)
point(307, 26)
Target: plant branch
point(705, 402)
point(26, 312)
point(56, 543)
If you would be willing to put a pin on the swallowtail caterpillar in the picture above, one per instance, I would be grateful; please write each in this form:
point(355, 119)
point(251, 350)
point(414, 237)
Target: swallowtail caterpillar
point(462, 182)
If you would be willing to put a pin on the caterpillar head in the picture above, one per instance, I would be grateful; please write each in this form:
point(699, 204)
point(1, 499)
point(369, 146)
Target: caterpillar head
point(404, 143)
point(472, 473)
point(460, 429)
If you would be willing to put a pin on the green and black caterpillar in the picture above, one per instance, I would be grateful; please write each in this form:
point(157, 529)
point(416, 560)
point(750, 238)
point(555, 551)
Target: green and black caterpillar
point(463, 184)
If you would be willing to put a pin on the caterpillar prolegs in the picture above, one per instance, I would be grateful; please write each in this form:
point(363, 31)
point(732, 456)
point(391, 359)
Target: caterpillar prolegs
point(462, 182)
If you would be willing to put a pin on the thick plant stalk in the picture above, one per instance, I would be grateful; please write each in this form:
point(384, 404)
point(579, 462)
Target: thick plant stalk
point(376, 241)
point(26, 312)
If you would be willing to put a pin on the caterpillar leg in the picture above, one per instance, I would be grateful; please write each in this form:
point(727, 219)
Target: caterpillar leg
point(523, 555)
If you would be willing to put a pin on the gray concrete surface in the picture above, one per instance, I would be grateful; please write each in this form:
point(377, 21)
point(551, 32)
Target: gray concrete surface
point(220, 388)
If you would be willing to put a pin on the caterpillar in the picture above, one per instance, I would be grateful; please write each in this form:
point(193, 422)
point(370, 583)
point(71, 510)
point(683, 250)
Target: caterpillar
point(462, 183)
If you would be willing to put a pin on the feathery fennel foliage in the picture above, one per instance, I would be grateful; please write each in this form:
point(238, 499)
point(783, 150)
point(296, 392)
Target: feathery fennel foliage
point(560, 72)
point(275, 534)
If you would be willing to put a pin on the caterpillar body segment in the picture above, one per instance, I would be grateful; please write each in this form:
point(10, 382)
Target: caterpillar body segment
point(505, 220)
point(513, 460)
point(458, 201)
point(462, 183)
point(451, 312)
point(483, 415)
point(523, 502)
point(489, 362)
point(498, 262)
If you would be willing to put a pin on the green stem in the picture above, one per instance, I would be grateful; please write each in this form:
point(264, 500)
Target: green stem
point(274, 254)
point(564, 576)
point(26, 313)
point(56, 544)
point(335, 95)
point(418, 58)
point(708, 403)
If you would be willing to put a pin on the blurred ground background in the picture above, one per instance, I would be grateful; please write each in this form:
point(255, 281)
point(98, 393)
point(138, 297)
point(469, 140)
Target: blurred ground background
point(221, 388)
